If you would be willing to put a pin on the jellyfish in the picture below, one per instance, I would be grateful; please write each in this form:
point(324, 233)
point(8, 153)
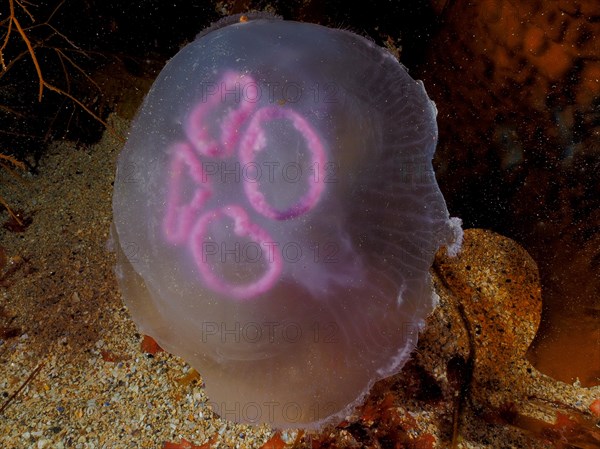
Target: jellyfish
point(276, 214)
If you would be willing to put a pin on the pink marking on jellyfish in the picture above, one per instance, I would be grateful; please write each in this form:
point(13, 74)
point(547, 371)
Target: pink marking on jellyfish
point(179, 216)
point(242, 228)
point(233, 86)
point(255, 141)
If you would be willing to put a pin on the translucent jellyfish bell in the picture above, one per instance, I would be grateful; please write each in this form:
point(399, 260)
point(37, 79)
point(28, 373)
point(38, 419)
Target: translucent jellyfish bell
point(277, 214)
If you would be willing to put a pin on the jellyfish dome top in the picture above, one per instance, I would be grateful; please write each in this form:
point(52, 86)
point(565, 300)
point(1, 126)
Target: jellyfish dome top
point(276, 214)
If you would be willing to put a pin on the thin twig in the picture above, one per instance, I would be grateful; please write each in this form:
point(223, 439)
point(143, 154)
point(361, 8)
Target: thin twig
point(88, 77)
point(10, 212)
point(25, 9)
point(17, 163)
point(5, 43)
point(86, 109)
point(75, 100)
point(29, 379)
point(38, 69)
point(13, 61)
point(11, 111)
point(54, 12)
point(66, 39)
point(64, 68)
